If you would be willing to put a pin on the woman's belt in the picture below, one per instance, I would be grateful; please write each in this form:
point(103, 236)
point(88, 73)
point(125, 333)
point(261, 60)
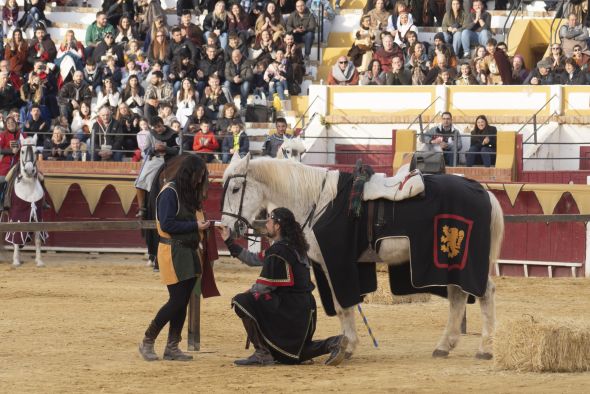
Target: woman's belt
point(180, 242)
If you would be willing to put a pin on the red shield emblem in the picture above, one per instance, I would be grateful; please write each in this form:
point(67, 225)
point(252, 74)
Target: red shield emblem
point(451, 241)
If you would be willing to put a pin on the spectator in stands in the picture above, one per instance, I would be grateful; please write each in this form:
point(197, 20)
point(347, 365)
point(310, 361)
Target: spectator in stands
point(34, 13)
point(182, 68)
point(179, 44)
point(328, 16)
point(418, 64)
point(131, 69)
point(541, 75)
point(91, 74)
point(389, 50)
point(165, 112)
point(77, 151)
point(9, 138)
point(41, 47)
point(557, 58)
point(276, 76)
point(240, 22)
point(412, 38)
point(9, 17)
point(272, 21)
point(8, 95)
point(190, 30)
point(573, 33)
point(379, 17)
point(108, 139)
point(205, 142)
point(263, 48)
point(126, 31)
point(16, 52)
point(476, 28)
point(442, 64)
point(212, 64)
point(217, 22)
point(294, 57)
point(186, 101)
point(234, 42)
point(96, 31)
point(519, 71)
point(158, 24)
point(302, 24)
point(213, 97)
point(70, 56)
point(444, 138)
point(572, 75)
point(404, 26)
point(109, 70)
point(238, 75)
point(374, 75)
point(581, 58)
point(398, 74)
point(36, 123)
point(229, 114)
point(452, 26)
point(466, 77)
point(497, 65)
point(73, 94)
point(235, 141)
point(107, 47)
point(133, 95)
point(483, 143)
point(275, 139)
point(399, 7)
point(54, 148)
point(82, 122)
point(116, 9)
point(159, 91)
point(361, 52)
point(479, 53)
point(466, 5)
point(129, 127)
point(343, 73)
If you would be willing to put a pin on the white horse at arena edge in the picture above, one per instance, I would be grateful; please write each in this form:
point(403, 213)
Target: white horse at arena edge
point(292, 148)
point(27, 201)
point(254, 185)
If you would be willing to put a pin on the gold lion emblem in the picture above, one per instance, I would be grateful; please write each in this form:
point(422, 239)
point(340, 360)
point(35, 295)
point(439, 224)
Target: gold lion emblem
point(451, 240)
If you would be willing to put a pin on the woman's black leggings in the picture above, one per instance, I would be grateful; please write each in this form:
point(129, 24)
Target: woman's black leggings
point(174, 311)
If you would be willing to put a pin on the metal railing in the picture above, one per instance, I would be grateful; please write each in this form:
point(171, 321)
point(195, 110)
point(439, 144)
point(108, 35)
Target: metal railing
point(554, 34)
point(516, 8)
point(533, 118)
point(419, 116)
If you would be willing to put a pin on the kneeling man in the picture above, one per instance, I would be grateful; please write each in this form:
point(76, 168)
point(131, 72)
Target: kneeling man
point(279, 311)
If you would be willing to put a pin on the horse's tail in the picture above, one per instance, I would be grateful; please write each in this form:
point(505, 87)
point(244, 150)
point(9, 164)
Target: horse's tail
point(496, 230)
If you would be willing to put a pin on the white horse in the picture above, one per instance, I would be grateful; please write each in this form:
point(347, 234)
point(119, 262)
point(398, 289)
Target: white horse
point(251, 186)
point(27, 201)
point(292, 148)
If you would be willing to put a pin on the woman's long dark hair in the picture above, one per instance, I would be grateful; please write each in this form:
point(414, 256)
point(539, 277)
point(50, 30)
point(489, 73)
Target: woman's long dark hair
point(484, 119)
point(191, 182)
point(291, 229)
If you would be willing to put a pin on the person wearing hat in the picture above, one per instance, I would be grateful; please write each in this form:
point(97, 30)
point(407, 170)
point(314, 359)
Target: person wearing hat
point(279, 310)
point(107, 47)
point(541, 75)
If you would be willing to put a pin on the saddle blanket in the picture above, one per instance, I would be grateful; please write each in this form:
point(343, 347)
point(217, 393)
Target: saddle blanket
point(23, 211)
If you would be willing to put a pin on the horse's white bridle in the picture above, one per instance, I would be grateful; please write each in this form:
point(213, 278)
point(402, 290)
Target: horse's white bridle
point(28, 159)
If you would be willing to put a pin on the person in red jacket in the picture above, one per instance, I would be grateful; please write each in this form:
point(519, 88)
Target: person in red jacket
point(205, 142)
point(9, 146)
point(389, 50)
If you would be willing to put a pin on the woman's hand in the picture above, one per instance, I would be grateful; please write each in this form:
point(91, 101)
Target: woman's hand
point(203, 224)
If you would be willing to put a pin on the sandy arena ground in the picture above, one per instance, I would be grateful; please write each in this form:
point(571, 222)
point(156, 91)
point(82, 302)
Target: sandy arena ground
point(74, 327)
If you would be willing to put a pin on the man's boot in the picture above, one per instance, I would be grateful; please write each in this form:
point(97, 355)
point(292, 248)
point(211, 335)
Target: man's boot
point(261, 355)
point(146, 347)
point(337, 348)
point(141, 209)
point(172, 352)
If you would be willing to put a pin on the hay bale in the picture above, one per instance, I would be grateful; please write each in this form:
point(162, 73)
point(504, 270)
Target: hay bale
point(543, 345)
point(383, 294)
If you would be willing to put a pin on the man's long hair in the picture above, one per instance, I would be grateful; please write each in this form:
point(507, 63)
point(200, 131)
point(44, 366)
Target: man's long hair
point(191, 182)
point(291, 230)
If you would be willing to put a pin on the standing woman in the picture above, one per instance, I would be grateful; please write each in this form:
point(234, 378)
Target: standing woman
point(176, 208)
point(483, 143)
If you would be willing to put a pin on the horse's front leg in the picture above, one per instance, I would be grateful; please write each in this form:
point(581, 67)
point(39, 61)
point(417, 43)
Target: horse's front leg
point(346, 316)
point(38, 241)
point(16, 256)
point(452, 333)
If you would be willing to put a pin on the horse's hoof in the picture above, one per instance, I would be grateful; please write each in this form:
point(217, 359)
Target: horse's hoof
point(440, 353)
point(484, 356)
point(40, 264)
point(15, 265)
point(347, 355)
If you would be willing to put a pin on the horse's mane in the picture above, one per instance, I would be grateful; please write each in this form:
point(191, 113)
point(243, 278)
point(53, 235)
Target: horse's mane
point(300, 182)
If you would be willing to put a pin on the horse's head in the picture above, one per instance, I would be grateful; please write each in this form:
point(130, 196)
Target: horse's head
point(242, 195)
point(292, 148)
point(28, 158)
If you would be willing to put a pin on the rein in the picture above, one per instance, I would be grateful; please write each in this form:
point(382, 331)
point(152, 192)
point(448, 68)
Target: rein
point(315, 204)
point(239, 216)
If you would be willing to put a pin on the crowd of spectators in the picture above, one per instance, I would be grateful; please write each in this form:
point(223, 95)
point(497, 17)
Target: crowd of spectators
point(463, 53)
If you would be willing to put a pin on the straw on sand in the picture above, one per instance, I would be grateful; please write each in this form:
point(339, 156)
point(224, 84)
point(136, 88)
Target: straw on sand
point(543, 345)
point(383, 294)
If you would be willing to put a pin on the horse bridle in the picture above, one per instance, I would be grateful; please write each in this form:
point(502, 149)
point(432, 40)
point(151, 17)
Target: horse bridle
point(238, 216)
point(29, 156)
